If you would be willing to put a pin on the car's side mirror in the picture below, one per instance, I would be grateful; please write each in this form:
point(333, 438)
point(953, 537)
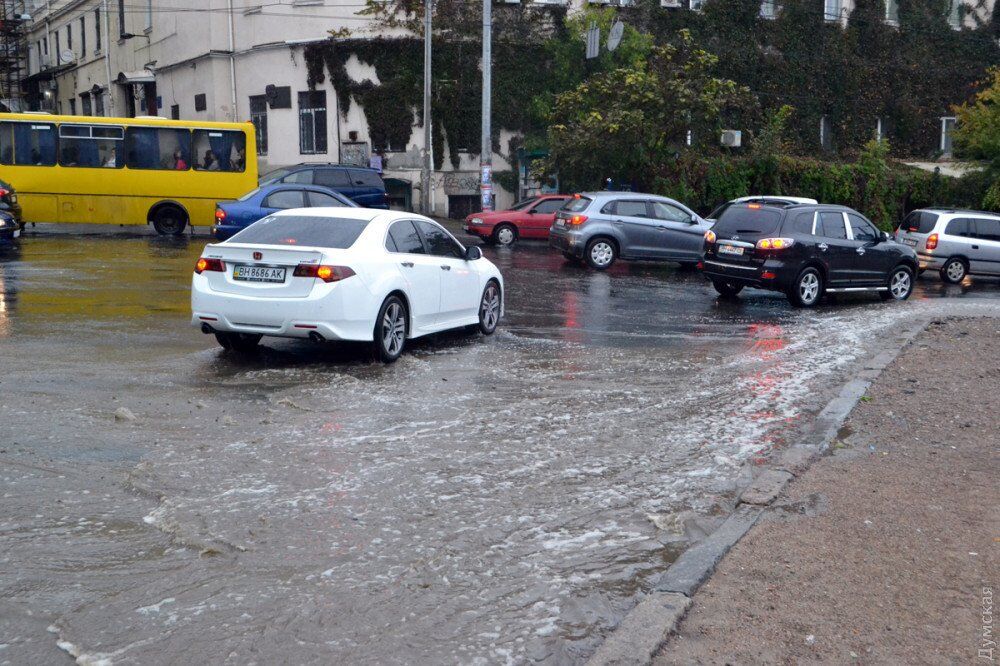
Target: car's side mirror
point(885, 236)
point(473, 252)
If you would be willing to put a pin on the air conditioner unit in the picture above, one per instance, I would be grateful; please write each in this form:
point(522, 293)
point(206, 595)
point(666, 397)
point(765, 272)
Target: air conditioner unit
point(550, 2)
point(673, 4)
point(513, 2)
point(696, 5)
point(731, 138)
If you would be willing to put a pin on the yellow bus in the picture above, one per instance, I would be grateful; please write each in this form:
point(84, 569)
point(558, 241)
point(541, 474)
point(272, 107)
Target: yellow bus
point(168, 173)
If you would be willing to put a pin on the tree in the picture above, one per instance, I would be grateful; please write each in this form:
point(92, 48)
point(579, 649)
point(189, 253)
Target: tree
point(977, 132)
point(622, 123)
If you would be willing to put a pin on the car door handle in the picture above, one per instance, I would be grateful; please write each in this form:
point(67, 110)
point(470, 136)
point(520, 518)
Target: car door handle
point(860, 250)
point(823, 247)
point(975, 247)
point(619, 221)
point(446, 267)
point(408, 264)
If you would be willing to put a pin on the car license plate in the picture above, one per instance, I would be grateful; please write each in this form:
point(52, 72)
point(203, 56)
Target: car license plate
point(731, 249)
point(560, 222)
point(910, 242)
point(258, 274)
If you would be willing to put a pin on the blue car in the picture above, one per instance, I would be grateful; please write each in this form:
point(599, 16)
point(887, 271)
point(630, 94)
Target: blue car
point(9, 228)
point(235, 216)
point(363, 185)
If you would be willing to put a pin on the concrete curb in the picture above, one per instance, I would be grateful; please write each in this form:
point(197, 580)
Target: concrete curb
point(649, 625)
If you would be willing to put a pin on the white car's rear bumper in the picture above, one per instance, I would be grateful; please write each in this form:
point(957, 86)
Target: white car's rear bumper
point(338, 311)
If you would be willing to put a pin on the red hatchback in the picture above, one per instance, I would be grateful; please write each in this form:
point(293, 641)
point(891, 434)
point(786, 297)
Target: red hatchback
point(530, 218)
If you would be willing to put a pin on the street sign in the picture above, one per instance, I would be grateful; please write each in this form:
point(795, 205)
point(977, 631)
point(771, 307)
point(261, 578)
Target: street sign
point(615, 35)
point(593, 41)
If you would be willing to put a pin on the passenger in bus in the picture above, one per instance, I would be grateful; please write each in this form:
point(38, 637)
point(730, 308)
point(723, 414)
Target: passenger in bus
point(112, 160)
point(211, 164)
point(179, 162)
point(239, 162)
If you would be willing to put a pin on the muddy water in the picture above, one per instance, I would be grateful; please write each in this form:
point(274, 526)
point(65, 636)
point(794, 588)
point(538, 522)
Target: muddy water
point(484, 500)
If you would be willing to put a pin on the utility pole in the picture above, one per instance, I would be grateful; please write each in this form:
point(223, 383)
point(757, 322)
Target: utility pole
point(425, 174)
point(486, 152)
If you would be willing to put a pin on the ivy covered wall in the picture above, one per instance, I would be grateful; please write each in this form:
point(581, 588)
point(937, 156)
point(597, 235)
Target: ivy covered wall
point(907, 75)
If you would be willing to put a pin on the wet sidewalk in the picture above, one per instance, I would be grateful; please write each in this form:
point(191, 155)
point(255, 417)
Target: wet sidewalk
point(888, 551)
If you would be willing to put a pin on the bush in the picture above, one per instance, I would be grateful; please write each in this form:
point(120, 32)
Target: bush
point(881, 189)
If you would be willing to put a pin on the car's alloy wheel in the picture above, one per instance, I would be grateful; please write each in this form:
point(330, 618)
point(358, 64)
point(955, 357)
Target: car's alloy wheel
point(900, 284)
point(390, 330)
point(807, 289)
point(505, 235)
point(600, 254)
point(489, 309)
point(954, 271)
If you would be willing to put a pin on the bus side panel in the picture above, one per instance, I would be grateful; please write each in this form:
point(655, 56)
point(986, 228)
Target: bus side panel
point(37, 207)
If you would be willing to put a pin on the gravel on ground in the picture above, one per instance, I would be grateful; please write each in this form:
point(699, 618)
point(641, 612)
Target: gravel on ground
point(888, 550)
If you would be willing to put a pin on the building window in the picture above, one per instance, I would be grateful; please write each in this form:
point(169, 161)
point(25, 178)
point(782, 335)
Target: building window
point(99, 103)
point(892, 11)
point(825, 135)
point(58, 49)
point(69, 35)
point(200, 103)
point(831, 10)
point(97, 30)
point(258, 116)
point(955, 14)
point(175, 111)
point(72, 107)
point(312, 122)
point(45, 45)
point(83, 36)
point(768, 9)
point(149, 15)
point(121, 18)
point(947, 127)
point(88, 110)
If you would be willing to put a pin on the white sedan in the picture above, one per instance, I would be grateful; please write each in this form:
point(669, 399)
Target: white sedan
point(343, 274)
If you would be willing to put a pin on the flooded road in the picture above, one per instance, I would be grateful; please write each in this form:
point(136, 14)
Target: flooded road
point(483, 500)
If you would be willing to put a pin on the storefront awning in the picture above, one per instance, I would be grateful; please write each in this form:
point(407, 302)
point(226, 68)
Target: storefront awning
point(138, 76)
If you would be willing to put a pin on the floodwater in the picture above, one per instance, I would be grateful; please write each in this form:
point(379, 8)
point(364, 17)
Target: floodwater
point(494, 499)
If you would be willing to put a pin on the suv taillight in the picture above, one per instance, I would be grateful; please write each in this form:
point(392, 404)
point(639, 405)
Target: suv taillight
point(932, 242)
point(774, 243)
point(576, 220)
point(220, 215)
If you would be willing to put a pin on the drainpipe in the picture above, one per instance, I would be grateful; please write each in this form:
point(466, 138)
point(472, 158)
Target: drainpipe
point(232, 62)
point(107, 60)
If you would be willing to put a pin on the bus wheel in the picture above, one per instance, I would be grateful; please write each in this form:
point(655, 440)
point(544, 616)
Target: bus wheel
point(169, 221)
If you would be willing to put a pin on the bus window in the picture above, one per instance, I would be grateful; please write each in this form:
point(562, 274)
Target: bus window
point(91, 146)
point(6, 144)
point(164, 148)
point(219, 150)
point(34, 143)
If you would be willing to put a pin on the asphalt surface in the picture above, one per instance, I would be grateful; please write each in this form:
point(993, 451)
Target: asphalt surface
point(485, 499)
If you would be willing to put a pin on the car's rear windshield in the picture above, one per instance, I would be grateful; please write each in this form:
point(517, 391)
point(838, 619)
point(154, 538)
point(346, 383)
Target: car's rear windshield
point(249, 195)
point(920, 221)
point(742, 219)
point(577, 204)
point(277, 174)
point(308, 230)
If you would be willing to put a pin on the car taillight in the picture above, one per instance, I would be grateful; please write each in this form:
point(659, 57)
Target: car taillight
point(576, 220)
point(4, 192)
point(932, 242)
point(323, 272)
point(209, 265)
point(710, 237)
point(774, 243)
point(220, 215)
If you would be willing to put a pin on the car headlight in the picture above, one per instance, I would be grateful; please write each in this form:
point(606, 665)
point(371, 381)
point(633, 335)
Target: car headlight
point(476, 220)
point(4, 223)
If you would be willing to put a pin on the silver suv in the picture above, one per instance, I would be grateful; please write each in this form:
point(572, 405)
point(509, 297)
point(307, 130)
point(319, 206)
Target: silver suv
point(954, 242)
point(600, 227)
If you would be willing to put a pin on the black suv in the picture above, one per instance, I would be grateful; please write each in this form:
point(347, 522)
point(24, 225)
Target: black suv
point(805, 250)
